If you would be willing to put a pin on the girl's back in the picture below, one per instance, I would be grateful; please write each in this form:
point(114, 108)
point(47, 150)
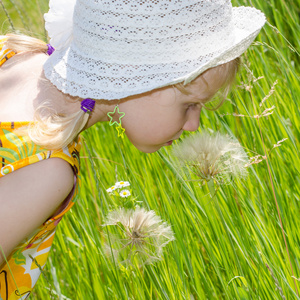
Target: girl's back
point(20, 71)
point(24, 87)
point(24, 199)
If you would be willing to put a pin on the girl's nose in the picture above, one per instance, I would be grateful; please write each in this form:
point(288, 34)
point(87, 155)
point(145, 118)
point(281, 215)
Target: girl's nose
point(193, 120)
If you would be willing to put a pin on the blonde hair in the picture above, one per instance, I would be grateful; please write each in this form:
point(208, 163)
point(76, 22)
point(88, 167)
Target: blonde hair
point(228, 71)
point(52, 130)
point(23, 43)
point(56, 131)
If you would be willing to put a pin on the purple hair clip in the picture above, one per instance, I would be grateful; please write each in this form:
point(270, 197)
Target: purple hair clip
point(87, 105)
point(50, 49)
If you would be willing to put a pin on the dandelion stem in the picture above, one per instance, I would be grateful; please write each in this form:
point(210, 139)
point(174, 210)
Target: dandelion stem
point(213, 193)
point(211, 187)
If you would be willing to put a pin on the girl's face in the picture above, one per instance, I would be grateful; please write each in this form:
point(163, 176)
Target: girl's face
point(157, 118)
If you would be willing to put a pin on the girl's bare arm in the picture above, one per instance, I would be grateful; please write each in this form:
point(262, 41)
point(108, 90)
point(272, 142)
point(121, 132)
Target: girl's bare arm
point(28, 197)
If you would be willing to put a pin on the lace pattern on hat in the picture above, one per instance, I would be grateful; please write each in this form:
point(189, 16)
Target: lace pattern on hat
point(121, 48)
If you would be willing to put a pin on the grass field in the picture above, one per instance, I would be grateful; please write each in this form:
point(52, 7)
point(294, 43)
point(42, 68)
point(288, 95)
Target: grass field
point(244, 243)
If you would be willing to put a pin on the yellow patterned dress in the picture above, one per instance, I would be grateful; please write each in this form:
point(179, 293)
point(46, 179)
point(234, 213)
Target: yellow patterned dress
point(24, 265)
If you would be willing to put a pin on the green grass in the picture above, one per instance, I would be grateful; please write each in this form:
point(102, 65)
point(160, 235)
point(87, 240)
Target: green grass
point(237, 234)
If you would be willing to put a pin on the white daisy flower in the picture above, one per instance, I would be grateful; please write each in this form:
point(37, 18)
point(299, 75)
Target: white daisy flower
point(125, 193)
point(111, 189)
point(121, 184)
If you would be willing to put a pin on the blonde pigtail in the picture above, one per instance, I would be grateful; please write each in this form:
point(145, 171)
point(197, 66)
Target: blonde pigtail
point(57, 131)
point(22, 43)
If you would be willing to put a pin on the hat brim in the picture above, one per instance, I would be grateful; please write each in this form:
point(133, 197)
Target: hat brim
point(66, 74)
point(245, 31)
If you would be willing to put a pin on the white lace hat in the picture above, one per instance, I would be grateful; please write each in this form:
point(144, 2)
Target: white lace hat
point(111, 49)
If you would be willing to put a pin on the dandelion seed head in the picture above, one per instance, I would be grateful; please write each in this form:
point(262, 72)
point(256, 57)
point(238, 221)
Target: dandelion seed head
point(136, 235)
point(212, 156)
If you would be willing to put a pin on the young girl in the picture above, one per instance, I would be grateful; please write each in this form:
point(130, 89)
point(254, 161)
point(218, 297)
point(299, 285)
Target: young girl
point(147, 67)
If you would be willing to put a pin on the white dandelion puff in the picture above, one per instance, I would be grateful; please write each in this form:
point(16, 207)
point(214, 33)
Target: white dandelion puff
point(121, 184)
point(212, 156)
point(125, 193)
point(136, 235)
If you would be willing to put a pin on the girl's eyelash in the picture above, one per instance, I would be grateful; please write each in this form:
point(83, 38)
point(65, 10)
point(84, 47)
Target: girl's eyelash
point(192, 105)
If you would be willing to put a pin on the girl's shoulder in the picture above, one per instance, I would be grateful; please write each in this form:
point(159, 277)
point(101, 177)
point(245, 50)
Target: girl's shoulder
point(34, 194)
point(19, 76)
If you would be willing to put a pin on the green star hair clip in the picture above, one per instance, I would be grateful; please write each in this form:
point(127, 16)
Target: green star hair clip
point(113, 113)
point(119, 128)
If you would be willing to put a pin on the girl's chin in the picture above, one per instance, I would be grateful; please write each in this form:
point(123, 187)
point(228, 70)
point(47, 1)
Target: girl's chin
point(148, 149)
point(151, 148)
